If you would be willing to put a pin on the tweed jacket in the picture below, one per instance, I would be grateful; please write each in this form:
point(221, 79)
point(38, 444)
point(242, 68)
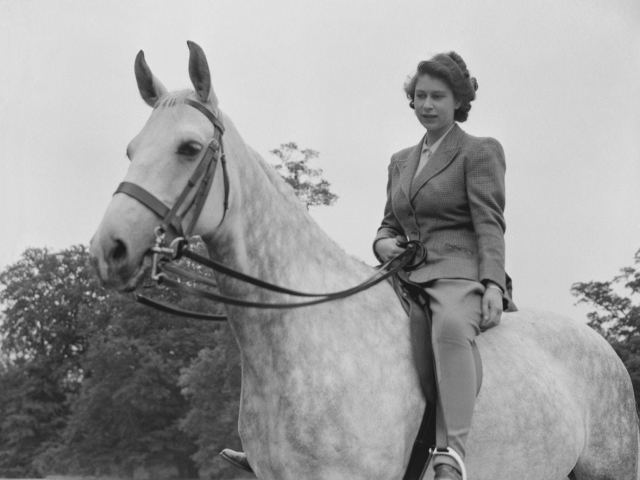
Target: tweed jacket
point(454, 207)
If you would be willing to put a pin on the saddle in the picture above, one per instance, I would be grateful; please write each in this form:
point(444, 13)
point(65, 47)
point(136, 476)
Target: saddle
point(415, 302)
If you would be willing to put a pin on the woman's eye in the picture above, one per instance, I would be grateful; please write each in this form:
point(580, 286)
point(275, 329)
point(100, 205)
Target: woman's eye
point(190, 149)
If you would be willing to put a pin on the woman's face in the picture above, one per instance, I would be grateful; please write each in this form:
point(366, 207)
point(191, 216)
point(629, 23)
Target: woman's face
point(434, 104)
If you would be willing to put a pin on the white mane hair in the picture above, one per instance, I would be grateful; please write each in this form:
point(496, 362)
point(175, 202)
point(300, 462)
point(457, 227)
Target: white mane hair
point(278, 182)
point(177, 97)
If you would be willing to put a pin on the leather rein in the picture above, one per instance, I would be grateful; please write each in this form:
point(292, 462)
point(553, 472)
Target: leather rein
point(163, 255)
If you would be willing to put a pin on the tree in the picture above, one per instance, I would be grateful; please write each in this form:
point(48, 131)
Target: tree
point(212, 384)
point(617, 317)
point(308, 184)
point(128, 413)
point(89, 378)
point(43, 294)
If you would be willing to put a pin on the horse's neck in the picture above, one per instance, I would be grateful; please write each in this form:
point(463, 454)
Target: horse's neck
point(269, 234)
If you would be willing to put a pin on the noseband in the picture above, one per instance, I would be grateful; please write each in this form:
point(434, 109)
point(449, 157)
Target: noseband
point(171, 219)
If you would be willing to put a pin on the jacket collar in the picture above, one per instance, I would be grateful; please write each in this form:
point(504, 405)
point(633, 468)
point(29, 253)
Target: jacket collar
point(445, 153)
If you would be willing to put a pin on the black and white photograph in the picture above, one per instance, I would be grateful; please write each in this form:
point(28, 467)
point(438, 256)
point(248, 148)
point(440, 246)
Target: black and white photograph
point(328, 240)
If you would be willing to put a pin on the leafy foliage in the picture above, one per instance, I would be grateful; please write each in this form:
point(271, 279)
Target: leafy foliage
point(44, 294)
point(617, 316)
point(212, 384)
point(293, 165)
point(128, 412)
point(89, 382)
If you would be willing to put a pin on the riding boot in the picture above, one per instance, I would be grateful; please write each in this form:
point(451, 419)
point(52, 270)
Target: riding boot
point(446, 472)
point(237, 459)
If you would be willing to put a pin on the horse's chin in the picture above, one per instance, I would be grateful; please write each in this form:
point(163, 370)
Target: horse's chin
point(130, 281)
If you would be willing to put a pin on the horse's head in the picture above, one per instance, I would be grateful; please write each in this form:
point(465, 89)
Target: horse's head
point(164, 156)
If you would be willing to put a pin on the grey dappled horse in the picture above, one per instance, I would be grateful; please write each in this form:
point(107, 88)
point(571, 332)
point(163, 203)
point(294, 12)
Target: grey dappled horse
point(330, 391)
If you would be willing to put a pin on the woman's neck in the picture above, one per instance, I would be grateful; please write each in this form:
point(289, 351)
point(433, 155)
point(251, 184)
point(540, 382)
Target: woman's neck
point(434, 135)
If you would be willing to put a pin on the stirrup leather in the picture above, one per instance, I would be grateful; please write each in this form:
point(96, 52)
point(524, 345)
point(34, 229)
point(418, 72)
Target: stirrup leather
point(450, 452)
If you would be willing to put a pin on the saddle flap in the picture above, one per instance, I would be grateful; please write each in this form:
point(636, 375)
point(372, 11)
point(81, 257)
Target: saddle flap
point(415, 303)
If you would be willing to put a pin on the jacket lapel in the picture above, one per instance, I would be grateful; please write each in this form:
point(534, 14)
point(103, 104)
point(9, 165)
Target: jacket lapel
point(445, 153)
point(408, 168)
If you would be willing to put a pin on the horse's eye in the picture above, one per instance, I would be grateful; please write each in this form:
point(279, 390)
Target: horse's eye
point(190, 149)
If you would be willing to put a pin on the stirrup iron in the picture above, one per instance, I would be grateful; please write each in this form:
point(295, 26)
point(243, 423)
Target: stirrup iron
point(450, 452)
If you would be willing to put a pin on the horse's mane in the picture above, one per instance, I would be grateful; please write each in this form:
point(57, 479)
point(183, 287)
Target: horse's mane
point(176, 97)
point(276, 180)
point(283, 189)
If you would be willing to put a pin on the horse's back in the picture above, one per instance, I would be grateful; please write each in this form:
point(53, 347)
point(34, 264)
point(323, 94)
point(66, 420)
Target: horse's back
point(554, 393)
point(548, 347)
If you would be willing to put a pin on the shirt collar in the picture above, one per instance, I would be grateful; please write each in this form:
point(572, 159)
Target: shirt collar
point(436, 144)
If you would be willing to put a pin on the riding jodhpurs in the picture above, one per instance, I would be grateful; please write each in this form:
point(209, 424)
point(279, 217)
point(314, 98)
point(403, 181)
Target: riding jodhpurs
point(456, 310)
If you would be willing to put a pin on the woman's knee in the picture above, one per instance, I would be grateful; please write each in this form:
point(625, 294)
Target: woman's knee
point(456, 328)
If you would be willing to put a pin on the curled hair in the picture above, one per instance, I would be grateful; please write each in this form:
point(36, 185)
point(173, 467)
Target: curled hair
point(451, 69)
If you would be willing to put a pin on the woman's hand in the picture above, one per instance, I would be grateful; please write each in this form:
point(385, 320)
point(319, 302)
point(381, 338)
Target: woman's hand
point(387, 248)
point(491, 307)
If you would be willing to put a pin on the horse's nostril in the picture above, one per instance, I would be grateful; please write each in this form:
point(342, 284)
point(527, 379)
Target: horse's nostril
point(120, 251)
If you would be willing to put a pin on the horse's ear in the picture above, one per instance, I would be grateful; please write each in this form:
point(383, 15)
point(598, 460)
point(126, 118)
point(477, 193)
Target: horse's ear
point(200, 76)
point(150, 87)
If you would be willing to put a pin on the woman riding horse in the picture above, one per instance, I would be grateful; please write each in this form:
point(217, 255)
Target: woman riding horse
point(448, 193)
point(333, 391)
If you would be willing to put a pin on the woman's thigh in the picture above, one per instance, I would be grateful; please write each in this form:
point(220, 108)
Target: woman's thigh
point(456, 309)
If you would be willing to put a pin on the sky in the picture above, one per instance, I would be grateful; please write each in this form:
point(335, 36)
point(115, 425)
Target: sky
point(559, 87)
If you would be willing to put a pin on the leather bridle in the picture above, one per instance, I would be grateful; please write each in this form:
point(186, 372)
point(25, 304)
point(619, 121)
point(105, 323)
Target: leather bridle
point(204, 173)
point(172, 219)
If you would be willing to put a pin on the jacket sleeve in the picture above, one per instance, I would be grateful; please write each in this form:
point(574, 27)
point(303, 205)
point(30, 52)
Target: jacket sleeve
point(390, 226)
point(484, 175)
